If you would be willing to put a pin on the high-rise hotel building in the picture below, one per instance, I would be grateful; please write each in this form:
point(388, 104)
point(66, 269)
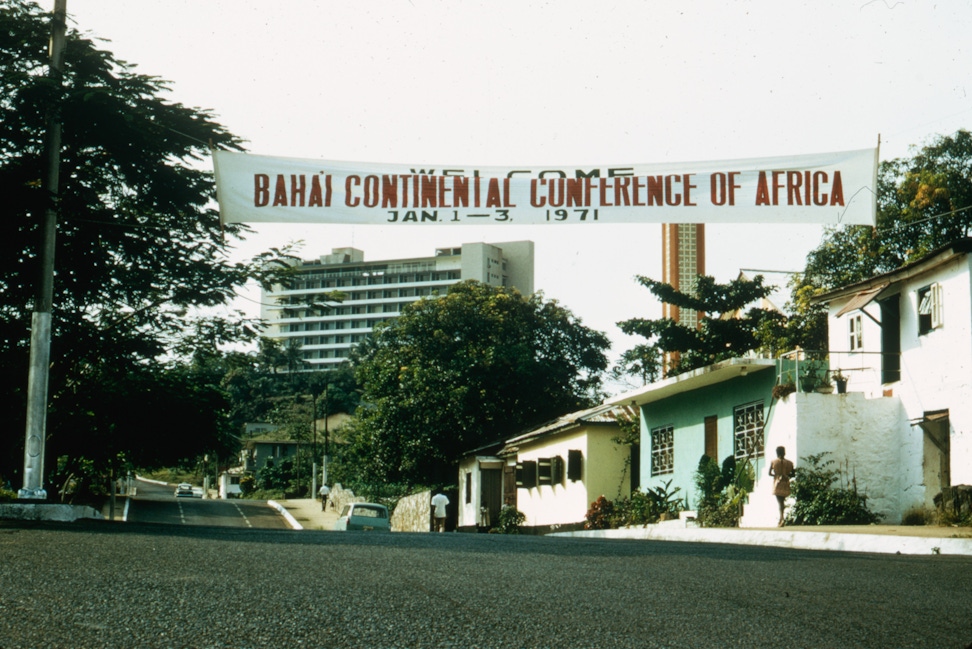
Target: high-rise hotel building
point(683, 260)
point(376, 291)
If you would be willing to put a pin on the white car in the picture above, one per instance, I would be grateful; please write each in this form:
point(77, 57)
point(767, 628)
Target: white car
point(185, 490)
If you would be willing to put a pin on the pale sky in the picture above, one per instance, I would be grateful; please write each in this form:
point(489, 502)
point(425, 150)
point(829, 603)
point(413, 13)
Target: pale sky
point(565, 82)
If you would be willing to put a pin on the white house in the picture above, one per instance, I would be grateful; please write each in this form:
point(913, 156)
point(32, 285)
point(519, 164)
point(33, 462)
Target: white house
point(902, 431)
point(551, 473)
point(907, 334)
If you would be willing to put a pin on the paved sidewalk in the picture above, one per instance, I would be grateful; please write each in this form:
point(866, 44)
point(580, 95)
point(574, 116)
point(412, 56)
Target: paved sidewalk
point(881, 539)
point(306, 514)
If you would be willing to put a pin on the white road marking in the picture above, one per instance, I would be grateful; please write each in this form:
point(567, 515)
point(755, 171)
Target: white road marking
point(245, 519)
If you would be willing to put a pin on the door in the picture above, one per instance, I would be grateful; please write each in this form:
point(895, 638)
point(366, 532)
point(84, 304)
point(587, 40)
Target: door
point(509, 485)
point(937, 458)
point(490, 496)
point(890, 339)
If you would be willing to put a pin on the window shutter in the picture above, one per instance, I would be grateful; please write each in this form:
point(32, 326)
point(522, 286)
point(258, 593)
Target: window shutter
point(557, 470)
point(575, 461)
point(526, 474)
point(937, 313)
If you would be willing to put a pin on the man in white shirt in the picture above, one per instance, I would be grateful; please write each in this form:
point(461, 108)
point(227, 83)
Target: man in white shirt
point(439, 502)
point(323, 493)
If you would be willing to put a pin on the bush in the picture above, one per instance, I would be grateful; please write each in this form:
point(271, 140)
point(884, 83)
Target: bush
point(646, 507)
point(722, 491)
point(917, 516)
point(599, 515)
point(247, 485)
point(510, 520)
point(819, 502)
point(7, 495)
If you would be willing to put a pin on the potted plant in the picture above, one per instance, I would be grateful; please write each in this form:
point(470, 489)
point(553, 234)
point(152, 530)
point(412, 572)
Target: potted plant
point(783, 390)
point(809, 379)
point(841, 380)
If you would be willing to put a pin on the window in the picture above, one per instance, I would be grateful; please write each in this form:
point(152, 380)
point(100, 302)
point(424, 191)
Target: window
point(543, 471)
point(748, 431)
point(662, 450)
point(526, 474)
point(575, 465)
point(468, 487)
point(930, 313)
point(854, 329)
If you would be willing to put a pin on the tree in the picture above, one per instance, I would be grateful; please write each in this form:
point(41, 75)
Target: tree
point(458, 371)
point(138, 242)
point(727, 329)
point(642, 361)
point(924, 202)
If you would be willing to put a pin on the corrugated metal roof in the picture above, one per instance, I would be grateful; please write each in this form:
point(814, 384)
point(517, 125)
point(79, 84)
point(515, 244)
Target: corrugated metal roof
point(599, 415)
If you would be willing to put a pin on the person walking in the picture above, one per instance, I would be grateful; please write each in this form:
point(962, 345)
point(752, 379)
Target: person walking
point(323, 492)
point(439, 503)
point(781, 470)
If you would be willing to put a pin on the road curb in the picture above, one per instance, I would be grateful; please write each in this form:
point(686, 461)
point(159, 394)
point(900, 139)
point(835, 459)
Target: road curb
point(287, 515)
point(800, 540)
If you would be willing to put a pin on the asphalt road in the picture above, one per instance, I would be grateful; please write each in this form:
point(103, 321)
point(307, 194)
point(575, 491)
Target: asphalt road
point(158, 504)
point(105, 584)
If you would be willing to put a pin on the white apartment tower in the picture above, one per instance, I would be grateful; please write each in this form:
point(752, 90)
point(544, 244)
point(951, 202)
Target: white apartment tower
point(376, 291)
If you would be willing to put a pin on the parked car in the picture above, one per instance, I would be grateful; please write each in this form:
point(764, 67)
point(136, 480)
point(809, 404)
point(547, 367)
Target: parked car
point(366, 517)
point(184, 490)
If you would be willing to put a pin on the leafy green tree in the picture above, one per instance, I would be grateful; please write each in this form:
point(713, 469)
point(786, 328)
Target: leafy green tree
point(727, 329)
point(462, 370)
point(924, 202)
point(139, 245)
point(643, 362)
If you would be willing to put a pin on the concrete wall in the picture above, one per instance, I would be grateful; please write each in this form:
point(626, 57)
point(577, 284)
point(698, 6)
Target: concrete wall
point(869, 440)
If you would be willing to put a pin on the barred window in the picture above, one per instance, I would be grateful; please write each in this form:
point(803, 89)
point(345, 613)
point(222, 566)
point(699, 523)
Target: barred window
point(662, 450)
point(748, 437)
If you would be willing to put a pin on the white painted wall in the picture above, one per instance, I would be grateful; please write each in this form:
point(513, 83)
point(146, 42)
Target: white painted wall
point(936, 368)
point(869, 440)
point(566, 503)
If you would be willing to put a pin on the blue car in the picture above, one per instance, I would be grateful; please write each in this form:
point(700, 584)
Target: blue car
point(365, 517)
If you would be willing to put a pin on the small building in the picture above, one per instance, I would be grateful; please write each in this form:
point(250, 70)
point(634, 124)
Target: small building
point(229, 483)
point(551, 473)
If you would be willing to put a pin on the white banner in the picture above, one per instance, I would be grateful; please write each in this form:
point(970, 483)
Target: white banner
point(817, 188)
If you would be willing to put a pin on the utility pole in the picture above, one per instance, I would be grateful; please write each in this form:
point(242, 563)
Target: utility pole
point(40, 324)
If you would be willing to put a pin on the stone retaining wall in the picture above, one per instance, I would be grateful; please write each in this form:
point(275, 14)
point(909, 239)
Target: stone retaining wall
point(47, 512)
point(339, 497)
point(412, 513)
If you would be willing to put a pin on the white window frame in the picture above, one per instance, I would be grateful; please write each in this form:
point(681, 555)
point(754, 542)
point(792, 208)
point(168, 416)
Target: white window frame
point(855, 332)
point(930, 304)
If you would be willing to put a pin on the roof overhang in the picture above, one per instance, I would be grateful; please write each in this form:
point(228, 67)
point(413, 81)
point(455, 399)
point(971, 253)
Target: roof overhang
point(700, 378)
point(862, 299)
point(929, 262)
